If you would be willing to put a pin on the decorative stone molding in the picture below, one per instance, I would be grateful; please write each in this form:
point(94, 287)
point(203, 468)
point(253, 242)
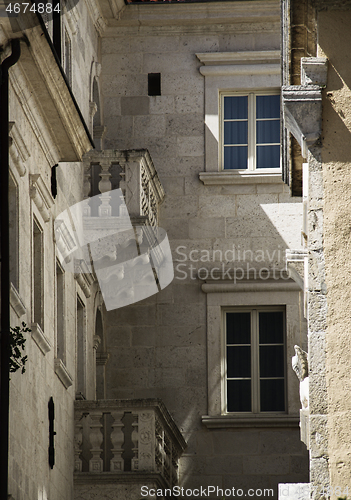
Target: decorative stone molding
point(40, 195)
point(239, 63)
point(40, 339)
point(62, 373)
point(16, 302)
point(314, 71)
point(226, 177)
point(18, 149)
point(302, 108)
point(253, 286)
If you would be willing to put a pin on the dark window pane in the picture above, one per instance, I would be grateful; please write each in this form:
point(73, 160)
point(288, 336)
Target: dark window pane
point(154, 83)
point(267, 132)
point(272, 395)
point(238, 361)
point(268, 156)
point(235, 157)
point(268, 106)
point(235, 132)
point(272, 361)
point(235, 107)
point(239, 395)
point(238, 328)
point(271, 327)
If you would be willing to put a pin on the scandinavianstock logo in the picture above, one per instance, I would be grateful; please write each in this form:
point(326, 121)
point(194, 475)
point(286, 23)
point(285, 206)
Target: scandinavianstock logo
point(130, 262)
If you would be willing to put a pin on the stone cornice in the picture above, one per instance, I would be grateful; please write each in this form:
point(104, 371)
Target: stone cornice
point(250, 286)
point(194, 15)
point(242, 57)
point(240, 63)
point(227, 421)
point(40, 195)
point(62, 373)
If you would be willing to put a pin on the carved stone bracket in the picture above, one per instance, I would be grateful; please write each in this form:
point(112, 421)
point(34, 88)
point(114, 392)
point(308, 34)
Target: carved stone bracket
point(62, 373)
point(83, 276)
point(302, 104)
point(41, 195)
point(40, 339)
point(16, 302)
point(303, 113)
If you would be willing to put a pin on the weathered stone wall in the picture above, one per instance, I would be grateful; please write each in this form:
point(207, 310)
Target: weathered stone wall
point(30, 476)
point(334, 42)
point(158, 346)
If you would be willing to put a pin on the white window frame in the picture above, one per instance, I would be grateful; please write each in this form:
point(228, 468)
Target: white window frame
point(251, 164)
point(255, 377)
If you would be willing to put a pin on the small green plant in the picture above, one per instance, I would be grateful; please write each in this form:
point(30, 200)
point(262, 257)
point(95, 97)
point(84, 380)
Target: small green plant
point(17, 343)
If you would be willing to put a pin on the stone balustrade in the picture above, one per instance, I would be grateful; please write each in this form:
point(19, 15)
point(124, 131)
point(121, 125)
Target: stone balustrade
point(134, 173)
point(120, 437)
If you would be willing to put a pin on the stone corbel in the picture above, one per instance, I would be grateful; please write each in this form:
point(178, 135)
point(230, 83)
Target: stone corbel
point(40, 195)
point(303, 113)
point(302, 104)
point(62, 373)
point(83, 276)
point(16, 302)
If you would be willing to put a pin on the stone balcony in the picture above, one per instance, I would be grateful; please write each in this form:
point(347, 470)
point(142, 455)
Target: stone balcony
point(134, 173)
point(119, 442)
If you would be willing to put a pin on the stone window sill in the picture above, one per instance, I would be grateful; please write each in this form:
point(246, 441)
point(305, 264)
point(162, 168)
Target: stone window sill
point(226, 421)
point(226, 177)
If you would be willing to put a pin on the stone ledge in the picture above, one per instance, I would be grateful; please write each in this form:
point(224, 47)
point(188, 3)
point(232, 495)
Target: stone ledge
point(40, 339)
point(259, 421)
point(226, 177)
point(62, 373)
point(251, 286)
point(119, 477)
point(16, 302)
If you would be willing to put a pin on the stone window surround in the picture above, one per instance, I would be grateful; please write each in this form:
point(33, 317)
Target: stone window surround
point(221, 296)
point(254, 354)
point(228, 72)
point(251, 134)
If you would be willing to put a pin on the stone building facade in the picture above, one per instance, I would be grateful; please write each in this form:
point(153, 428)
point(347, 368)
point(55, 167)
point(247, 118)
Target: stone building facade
point(155, 392)
point(316, 110)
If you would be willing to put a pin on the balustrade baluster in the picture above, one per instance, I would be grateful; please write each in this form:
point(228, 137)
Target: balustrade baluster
point(117, 439)
point(96, 437)
point(78, 439)
point(105, 185)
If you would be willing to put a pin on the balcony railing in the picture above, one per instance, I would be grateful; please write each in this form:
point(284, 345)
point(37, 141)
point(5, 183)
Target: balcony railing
point(115, 437)
point(134, 173)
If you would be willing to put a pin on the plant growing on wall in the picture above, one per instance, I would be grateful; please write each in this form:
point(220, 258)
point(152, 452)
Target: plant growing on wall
point(17, 343)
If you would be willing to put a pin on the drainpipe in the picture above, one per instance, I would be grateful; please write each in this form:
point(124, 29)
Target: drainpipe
point(5, 264)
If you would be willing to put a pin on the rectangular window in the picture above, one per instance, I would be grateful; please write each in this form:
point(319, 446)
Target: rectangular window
point(255, 360)
point(60, 313)
point(250, 131)
point(38, 265)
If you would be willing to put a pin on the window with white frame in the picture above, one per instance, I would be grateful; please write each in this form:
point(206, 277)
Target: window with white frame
point(255, 360)
point(250, 131)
